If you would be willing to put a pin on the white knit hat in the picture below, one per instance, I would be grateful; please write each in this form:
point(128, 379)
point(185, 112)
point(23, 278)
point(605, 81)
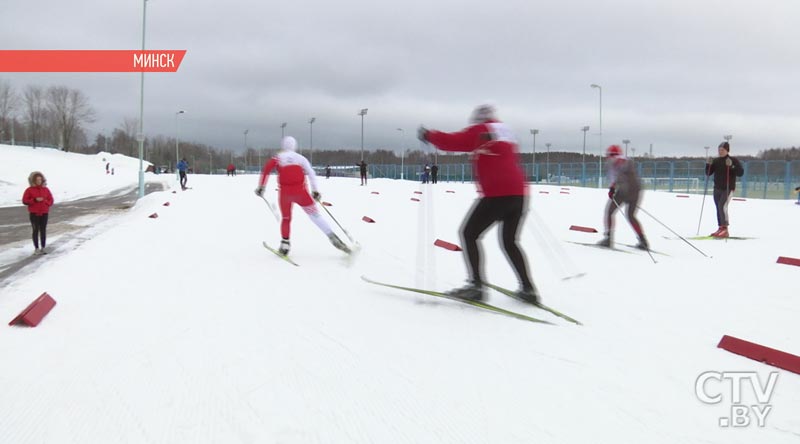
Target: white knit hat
point(289, 144)
point(482, 113)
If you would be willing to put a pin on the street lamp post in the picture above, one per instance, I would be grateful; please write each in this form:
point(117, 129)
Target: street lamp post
point(177, 153)
point(402, 152)
point(534, 132)
point(600, 133)
point(245, 150)
point(728, 138)
point(140, 136)
point(633, 153)
point(584, 129)
point(311, 137)
point(547, 160)
point(283, 127)
point(626, 142)
point(362, 113)
point(210, 162)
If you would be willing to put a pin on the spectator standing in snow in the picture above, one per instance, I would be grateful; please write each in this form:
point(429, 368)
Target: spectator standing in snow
point(328, 172)
point(38, 199)
point(725, 170)
point(501, 183)
point(362, 166)
point(435, 174)
point(182, 168)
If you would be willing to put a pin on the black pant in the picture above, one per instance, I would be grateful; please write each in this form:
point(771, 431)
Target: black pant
point(632, 203)
point(721, 199)
point(183, 178)
point(434, 177)
point(487, 211)
point(39, 225)
point(363, 178)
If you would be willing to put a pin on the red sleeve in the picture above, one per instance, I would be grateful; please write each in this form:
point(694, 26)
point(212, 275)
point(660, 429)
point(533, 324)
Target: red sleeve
point(48, 197)
point(465, 140)
point(26, 196)
point(268, 167)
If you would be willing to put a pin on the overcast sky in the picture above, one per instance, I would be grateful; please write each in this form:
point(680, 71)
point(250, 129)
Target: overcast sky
point(678, 74)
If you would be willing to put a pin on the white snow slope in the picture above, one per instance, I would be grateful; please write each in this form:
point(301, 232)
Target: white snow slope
point(69, 176)
point(184, 329)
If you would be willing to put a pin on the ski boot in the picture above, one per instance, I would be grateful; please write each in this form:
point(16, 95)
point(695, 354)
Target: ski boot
point(470, 292)
point(530, 295)
point(722, 233)
point(338, 243)
point(714, 234)
point(643, 245)
point(284, 249)
point(606, 242)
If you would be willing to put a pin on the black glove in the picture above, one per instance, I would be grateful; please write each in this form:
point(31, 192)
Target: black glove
point(316, 195)
point(611, 192)
point(260, 191)
point(422, 134)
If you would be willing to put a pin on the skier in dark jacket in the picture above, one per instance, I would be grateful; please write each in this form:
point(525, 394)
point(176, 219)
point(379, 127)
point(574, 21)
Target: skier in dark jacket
point(38, 199)
point(435, 174)
point(328, 172)
point(624, 190)
point(362, 166)
point(725, 170)
point(503, 190)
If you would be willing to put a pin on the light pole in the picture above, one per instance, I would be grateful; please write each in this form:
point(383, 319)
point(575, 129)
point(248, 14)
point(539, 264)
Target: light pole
point(245, 150)
point(584, 129)
point(626, 142)
point(210, 162)
point(534, 132)
point(402, 151)
point(633, 153)
point(311, 137)
point(600, 133)
point(177, 153)
point(283, 127)
point(547, 160)
point(140, 136)
point(362, 113)
point(728, 138)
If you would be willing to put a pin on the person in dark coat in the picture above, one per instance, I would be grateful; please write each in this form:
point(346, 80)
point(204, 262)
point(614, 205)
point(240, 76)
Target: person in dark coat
point(725, 170)
point(328, 172)
point(363, 168)
point(435, 174)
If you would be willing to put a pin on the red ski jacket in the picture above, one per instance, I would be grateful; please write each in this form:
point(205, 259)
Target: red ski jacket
point(495, 159)
point(34, 207)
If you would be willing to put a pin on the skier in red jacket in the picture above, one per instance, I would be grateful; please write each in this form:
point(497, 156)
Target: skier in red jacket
point(39, 200)
point(495, 162)
point(292, 171)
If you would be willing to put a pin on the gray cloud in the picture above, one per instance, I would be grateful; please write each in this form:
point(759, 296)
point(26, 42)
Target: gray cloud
point(677, 74)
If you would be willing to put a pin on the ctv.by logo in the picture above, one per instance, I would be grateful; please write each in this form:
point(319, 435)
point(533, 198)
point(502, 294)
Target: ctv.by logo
point(713, 387)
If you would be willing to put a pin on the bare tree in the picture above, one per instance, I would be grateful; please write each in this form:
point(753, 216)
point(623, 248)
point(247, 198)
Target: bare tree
point(8, 105)
point(70, 109)
point(35, 110)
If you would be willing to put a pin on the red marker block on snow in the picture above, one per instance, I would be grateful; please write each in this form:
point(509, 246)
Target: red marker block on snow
point(582, 229)
point(153, 216)
point(447, 245)
point(567, 189)
point(415, 199)
point(789, 261)
point(563, 192)
point(33, 314)
point(449, 191)
point(682, 195)
point(327, 204)
point(375, 192)
point(368, 220)
point(739, 199)
point(770, 356)
point(174, 192)
point(417, 192)
point(166, 204)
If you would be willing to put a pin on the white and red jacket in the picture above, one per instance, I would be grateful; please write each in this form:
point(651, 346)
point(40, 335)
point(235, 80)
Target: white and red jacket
point(292, 171)
point(495, 159)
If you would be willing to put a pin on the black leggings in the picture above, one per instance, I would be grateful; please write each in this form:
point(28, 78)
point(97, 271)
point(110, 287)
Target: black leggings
point(183, 178)
point(39, 225)
point(630, 212)
point(721, 200)
point(487, 211)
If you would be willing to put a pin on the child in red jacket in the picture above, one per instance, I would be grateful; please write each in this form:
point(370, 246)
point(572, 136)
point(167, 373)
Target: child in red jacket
point(38, 199)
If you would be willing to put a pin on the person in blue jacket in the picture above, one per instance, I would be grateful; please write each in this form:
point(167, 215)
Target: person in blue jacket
point(182, 167)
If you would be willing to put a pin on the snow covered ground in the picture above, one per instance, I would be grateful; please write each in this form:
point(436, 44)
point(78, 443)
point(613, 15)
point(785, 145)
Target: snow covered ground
point(184, 329)
point(70, 176)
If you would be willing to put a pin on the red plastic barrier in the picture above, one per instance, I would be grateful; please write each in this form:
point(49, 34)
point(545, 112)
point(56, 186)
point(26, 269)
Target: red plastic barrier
point(166, 204)
point(153, 216)
point(789, 261)
point(565, 189)
point(35, 312)
point(682, 195)
point(544, 192)
point(447, 245)
point(417, 192)
point(327, 204)
point(368, 220)
point(756, 352)
point(582, 229)
point(564, 192)
point(375, 192)
point(449, 191)
point(739, 199)
point(415, 199)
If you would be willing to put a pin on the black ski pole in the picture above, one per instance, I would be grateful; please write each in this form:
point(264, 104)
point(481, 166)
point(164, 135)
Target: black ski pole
point(337, 223)
point(634, 229)
point(673, 232)
point(705, 192)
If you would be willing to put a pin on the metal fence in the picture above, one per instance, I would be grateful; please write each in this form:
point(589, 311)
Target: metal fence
point(767, 179)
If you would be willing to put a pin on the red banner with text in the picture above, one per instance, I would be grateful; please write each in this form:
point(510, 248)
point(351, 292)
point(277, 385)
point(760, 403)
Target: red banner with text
point(90, 60)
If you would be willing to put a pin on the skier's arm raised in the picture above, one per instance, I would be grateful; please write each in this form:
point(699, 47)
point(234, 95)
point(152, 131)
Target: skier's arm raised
point(463, 141)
